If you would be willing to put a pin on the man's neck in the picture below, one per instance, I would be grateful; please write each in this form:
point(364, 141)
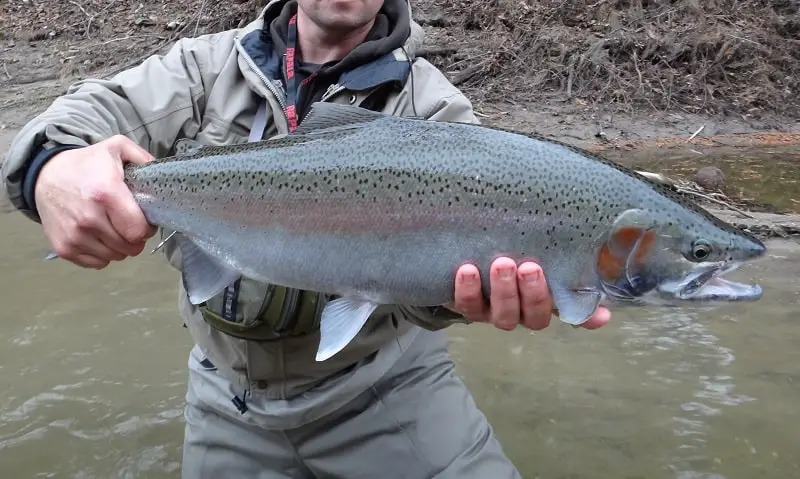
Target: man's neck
point(320, 46)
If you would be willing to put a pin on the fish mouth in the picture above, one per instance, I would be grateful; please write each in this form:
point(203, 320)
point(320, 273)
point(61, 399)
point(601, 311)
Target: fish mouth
point(707, 284)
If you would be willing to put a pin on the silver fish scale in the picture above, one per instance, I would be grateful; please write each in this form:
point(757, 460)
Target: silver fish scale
point(389, 209)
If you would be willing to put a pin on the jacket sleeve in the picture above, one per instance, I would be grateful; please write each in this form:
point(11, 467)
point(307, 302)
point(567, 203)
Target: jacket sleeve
point(153, 104)
point(434, 98)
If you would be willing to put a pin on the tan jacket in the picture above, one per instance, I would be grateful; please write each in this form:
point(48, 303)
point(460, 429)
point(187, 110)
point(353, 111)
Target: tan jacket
point(209, 89)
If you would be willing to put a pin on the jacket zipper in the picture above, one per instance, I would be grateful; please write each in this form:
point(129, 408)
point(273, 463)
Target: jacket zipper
point(261, 75)
point(331, 91)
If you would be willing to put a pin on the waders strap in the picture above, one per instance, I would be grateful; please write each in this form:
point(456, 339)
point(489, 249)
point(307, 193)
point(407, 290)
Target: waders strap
point(260, 330)
point(259, 123)
point(309, 306)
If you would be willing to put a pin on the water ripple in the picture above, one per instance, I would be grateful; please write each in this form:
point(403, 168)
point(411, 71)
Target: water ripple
point(687, 353)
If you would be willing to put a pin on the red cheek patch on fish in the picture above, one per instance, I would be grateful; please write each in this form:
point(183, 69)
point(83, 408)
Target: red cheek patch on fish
point(615, 252)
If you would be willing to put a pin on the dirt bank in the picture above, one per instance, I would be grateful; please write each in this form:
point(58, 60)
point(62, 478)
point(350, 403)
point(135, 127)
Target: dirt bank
point(621, 77)
point(602, 72)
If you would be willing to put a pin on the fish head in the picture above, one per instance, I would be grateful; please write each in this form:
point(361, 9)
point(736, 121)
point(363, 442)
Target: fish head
point(661, 263)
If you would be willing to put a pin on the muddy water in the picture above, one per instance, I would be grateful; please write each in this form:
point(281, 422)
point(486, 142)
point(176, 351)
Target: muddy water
point(769, 174)
point(655, 394)
point(92, 367)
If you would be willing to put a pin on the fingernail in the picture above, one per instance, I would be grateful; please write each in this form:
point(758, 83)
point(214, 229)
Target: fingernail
point(506, 274)
point(532, 276)
point(468, 277)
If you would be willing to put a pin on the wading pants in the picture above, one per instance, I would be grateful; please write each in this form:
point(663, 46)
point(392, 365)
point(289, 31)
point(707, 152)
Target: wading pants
point(418, 422)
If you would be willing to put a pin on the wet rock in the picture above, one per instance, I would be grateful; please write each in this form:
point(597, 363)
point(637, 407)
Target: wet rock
point(710, 178)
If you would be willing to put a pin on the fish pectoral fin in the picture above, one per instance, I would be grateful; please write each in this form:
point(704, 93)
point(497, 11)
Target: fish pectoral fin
point(575, 306)
point(187, 146)
point(327, 116)
point(203, 276)
point(341, 321)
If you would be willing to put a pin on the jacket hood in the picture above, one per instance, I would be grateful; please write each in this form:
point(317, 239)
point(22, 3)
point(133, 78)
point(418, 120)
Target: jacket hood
point(402, 30)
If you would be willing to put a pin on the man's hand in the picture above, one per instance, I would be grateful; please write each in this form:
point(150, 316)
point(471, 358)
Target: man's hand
point(518, 295)
point(88, 213)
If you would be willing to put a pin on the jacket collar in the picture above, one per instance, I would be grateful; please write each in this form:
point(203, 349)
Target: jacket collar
point(392, 67)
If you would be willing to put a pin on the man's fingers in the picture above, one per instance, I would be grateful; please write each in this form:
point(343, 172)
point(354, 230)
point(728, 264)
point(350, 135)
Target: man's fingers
point(91, 246)
point(536, 302)
point(504, 295)
point(600, 318)
point(123, 211)
point(468, 295)
point(126, 216)
point(91, 262)
point(128, 151)
point(96, 224)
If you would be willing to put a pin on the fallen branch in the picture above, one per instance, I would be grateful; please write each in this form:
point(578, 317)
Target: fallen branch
point(90, 18)
point(768, 225)
point(696, 133)
point(714, 200)
point(694, 189)
point(659, 178)
point(466, 74)
point(436, 51)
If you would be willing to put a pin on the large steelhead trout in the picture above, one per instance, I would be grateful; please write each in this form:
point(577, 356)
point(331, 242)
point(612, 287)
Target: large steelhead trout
point(383, 210)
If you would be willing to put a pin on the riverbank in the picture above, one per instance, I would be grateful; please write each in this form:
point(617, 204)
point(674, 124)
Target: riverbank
point(42, 51)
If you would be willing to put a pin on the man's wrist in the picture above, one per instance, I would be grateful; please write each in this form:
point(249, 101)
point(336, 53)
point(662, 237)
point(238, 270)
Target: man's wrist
point(34, 169)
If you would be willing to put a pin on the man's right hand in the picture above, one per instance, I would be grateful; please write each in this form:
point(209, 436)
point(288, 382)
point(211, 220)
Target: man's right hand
point(88, 213)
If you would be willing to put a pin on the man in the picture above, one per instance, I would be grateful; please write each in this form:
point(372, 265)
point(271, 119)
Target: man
point(259, 405)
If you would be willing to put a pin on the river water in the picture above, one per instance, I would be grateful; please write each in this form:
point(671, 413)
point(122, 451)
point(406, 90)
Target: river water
point(93, 368)
point(751, 172)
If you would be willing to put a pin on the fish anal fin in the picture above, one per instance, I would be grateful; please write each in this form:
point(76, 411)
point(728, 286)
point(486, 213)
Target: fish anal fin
point(341, 321)
point(203, 276)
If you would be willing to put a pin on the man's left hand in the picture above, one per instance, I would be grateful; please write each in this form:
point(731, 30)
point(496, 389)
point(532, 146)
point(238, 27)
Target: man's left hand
point(519, 295)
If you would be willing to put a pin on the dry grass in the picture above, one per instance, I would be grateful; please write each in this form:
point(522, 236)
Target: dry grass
point(715, 56)
point(696, 55)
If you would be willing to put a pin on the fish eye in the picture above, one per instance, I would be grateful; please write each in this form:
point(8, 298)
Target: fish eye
point(701, 250)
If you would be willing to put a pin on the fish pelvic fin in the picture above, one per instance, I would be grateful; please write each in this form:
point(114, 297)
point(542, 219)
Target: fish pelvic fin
point(341, 321)
point(327, 116)
point(203, 276)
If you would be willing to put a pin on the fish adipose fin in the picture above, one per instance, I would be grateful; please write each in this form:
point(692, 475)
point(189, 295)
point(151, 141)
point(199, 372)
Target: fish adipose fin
point(203, 276)
point(341, 321)
point(331, 116)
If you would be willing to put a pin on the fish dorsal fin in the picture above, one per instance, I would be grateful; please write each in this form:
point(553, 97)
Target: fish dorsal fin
point(187, 146)
point(327, 116)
